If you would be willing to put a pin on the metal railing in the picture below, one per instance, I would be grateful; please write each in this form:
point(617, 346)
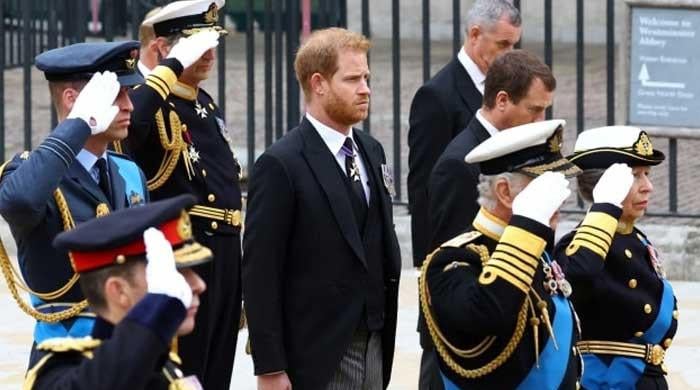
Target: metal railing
point(30, 27)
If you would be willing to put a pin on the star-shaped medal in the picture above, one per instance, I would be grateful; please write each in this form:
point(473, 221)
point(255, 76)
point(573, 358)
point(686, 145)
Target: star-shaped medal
point(194, 154)
point(200, 110)
point(355, 173)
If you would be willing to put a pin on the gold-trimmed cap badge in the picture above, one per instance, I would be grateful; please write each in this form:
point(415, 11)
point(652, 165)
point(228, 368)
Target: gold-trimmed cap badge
point(184, 226)
point(643, 145)
point(101, 210)
point(212, 14)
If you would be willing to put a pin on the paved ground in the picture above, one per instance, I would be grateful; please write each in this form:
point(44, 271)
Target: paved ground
point(15, 331)
point(15, 339)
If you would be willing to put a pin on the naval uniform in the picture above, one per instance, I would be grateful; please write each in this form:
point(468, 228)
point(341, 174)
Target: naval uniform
point(179, 138)
point(132, 355)
point(488, 307)
point(47, 191)
point(628, 309)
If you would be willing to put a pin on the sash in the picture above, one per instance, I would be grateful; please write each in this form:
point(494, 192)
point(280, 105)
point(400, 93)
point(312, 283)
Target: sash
point(79, 326)
point(624, 372)
point(553, 361)
point(133, 183)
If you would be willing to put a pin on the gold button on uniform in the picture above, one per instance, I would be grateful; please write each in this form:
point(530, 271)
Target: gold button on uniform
point(628, 253)
point(647, 308)
point(667, 343)
point(204, 172)
point(214, 225)
point(121, 259)
point(632, 283)
point(638, 334)
point(675, 314)
point(211, 198)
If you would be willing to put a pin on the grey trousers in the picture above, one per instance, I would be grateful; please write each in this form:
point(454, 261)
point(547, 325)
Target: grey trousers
point(361, 366)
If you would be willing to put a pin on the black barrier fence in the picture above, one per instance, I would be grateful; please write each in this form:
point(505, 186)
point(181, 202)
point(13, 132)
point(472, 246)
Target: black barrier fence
point(29, 27)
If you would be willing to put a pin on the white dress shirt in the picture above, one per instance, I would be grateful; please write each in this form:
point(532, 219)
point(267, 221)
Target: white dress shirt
point(145, 71)
point(487, 125)
point(88, 160)
point(474, 72)
point(334, 141)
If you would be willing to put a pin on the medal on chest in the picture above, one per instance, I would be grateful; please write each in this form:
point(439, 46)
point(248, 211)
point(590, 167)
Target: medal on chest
point(554, 279)
point(190, 154)
point(200, 110)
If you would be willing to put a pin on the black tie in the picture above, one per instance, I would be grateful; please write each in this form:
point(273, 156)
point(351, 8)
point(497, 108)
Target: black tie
point(104, 178)
point(352, 170)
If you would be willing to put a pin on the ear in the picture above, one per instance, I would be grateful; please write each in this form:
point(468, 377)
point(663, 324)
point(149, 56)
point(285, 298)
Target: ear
point(115, 290)
point(68, 97)
point(501, 101)
point(504, 195)
point(473, 33)
point(161, 46)
point(318, 84)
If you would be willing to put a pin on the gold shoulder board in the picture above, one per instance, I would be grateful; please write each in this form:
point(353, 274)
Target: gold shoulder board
point(461, 240)
point(65, 344)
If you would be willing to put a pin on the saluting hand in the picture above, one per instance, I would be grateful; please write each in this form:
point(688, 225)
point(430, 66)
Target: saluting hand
point(614, 185)
point(95, 103)
point(161, 275)
point(542, 197)
point(188, 50)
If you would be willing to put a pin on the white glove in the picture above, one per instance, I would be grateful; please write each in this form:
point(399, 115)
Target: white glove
point(161, 275)
point(614, 185)
point(542, 197)
point(188, 50)
point(95, 103)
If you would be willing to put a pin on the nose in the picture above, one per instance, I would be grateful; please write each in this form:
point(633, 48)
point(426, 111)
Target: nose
point(209, 54)
point(647, 186)
point(195, 282)
point(123, 101)
point(364, 88)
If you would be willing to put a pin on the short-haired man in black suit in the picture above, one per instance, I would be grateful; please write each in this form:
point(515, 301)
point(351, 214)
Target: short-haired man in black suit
point(321, 260)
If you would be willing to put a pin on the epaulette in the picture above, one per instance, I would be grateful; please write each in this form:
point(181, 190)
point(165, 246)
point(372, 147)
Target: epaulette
point(67, 344)
point(21, 156)
point(461, 240)
point(84, 345)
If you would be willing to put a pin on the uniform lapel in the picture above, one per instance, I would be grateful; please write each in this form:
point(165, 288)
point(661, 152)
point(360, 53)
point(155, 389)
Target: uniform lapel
point(79, 175)
point(465, 85)
point(323, 165)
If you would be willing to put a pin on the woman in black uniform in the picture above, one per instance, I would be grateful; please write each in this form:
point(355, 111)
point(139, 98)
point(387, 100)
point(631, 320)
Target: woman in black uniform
point(626, 306)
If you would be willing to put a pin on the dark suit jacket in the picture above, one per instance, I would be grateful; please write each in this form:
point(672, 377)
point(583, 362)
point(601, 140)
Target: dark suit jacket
point(304, 260)
point(452, 190)
point(439, 111)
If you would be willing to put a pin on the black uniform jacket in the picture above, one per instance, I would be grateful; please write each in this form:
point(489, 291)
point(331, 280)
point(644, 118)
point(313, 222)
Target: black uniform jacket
point(616, 290)
point(304, 264)
point(440, 110)
point(479, 297)
point(452, 190)
point(179, 138)
point(132, 355)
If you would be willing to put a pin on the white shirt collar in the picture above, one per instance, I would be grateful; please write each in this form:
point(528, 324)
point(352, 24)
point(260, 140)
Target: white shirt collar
point(487, 125)
point(474, 72)
point(143, 69)
point(333, 139)
point(88, 160)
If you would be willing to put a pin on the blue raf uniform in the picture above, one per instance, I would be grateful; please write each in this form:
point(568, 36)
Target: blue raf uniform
point(180, 139)
point(628, 308)
point(135, 352)
point(56, 187)
point(493, 305)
